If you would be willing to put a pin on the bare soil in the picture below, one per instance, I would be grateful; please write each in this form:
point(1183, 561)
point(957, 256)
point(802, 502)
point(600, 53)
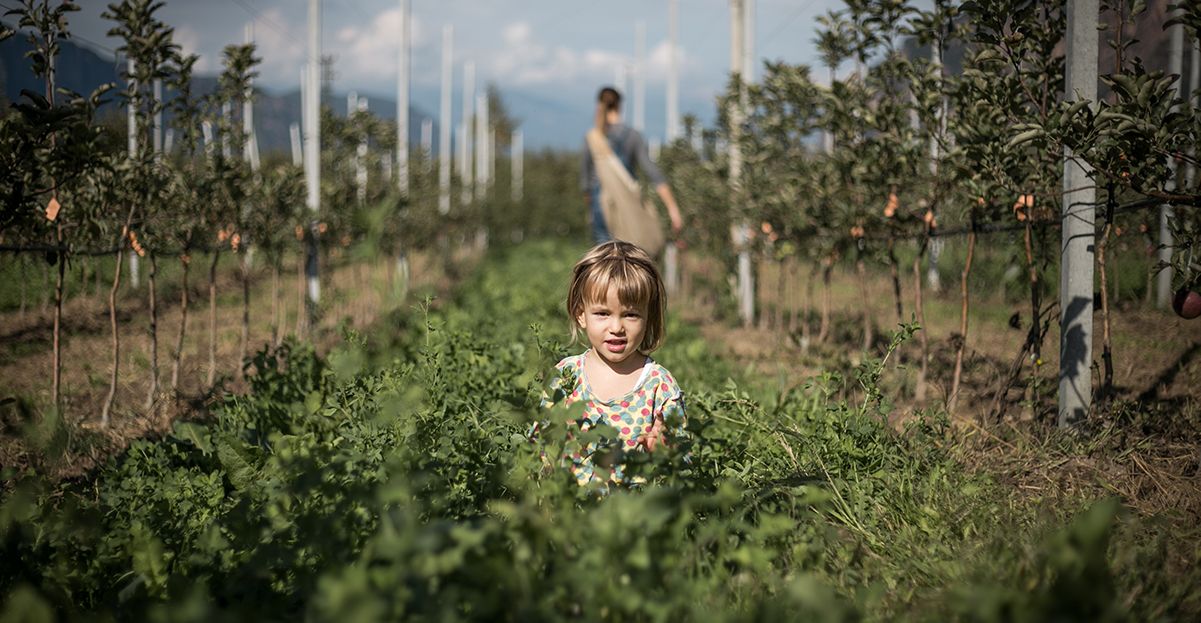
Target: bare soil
point(354, 295)
point(1143, 444)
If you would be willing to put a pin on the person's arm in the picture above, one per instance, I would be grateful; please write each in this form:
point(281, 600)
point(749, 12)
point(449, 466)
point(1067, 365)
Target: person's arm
point(658, 182)
point(673, 210)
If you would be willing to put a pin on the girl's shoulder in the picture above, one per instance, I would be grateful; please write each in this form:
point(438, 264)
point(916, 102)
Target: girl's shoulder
point(660, 380)
point(570, 370)
point(571, 363)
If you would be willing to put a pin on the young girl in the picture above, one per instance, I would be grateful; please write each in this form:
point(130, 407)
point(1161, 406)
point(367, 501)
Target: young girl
point(617, 301)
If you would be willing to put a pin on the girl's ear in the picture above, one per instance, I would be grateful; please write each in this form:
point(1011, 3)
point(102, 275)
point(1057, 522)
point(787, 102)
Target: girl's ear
point(579, 319)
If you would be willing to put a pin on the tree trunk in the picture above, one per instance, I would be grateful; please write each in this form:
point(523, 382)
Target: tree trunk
point(1034, 335)
point(301, 311)
point(151, 281)
point(244, 343)
point(861, 269)
point(807, 310)
point(963, 297)
point(275, 303)
point(23, 263)
point(923, 334)
point(212, 373)
point(781, 294)
point(186, 261)
point(793, 294)
point(1035, 291)
point(106, 410)
point(57, 357)
point(1106, 345)
point(894, 268)
point(823, 332)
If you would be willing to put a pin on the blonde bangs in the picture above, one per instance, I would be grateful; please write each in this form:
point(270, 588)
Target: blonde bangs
point(633, 273)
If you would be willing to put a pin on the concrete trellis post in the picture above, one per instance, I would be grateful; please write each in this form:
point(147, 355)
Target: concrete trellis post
point(360, 155)
point(312, 157)
point(297, 150)
point(466, 141)
point(1163, 280)
point(639, 99)
point(158, 117)
point(517, 164)
point(251, 149)
point(482, 166)
point(1076, 248)
point(427, 142)
point(673, 70)
point(444, 121)
point(739, 232)
point(132, 137)
point(402, 102)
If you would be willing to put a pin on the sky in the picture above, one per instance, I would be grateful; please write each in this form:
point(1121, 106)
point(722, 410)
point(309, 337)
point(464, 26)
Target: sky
point(542, 54)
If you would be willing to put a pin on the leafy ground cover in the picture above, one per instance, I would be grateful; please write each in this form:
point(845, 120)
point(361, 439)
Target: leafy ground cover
point(392, 479)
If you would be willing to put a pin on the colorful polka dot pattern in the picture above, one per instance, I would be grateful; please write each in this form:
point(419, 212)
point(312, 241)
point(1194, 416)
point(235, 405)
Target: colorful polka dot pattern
point(657, 399)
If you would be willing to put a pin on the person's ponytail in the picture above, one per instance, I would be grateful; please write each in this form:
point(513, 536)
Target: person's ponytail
point(607, 100)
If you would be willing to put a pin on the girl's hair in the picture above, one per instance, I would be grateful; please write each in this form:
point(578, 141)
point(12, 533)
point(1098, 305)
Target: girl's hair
point(608, 99)
point(619, 263)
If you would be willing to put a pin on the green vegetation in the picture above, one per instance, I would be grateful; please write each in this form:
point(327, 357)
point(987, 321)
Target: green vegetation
point(392, 480)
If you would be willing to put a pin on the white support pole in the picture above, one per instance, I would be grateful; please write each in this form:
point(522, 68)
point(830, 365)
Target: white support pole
point(748, 43)
point(467, 119)
point(639, 99)
point(460, 142)
point(158, 116)
point(481, 141)
point(491, 143)
point(427, 142)
point(1076, 248)
point(361, 157)
point(517, 164)
point(227, 113)
point(169, 141)
point(933, 276)
point(132, 137)
point(1163, 280)
point(445, 122)
point(402, 102)
point(251, 148)
point(312, 144)
point(746, 274)
point(739, 231)
point(297, 152)
point(673, 70)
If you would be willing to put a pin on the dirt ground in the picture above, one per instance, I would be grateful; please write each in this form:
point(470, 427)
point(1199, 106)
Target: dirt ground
point(1144, 445)
point(353, 296)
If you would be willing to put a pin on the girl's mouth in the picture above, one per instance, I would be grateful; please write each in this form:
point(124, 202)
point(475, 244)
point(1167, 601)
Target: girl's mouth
point(615, 346)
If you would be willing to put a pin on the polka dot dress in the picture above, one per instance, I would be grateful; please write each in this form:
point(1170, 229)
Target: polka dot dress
point(656, 398)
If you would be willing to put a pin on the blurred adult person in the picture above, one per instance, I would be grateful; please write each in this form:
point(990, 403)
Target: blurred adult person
point(630, 148)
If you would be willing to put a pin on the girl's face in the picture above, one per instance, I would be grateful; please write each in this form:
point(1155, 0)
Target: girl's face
point(614, 330)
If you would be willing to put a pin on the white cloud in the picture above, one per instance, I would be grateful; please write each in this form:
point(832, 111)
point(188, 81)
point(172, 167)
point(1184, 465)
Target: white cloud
point(367, 53)
point(188, 39)
point(525, 61)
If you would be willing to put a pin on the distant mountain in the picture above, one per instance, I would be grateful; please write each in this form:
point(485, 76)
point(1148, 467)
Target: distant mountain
point(82, 70)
